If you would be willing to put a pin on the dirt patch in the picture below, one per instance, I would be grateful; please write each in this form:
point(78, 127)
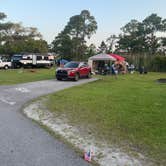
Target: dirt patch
point(161, 80)
point(103, 153)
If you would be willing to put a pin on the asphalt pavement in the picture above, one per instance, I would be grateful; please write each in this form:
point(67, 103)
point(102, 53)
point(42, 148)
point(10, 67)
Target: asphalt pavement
point(23, 142)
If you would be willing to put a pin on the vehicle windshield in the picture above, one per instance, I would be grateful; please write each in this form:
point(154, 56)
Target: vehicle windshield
point(71, 65)
point(16, 57)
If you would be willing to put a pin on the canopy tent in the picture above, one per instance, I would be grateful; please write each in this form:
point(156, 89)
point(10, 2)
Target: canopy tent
point(117, 57)
point(102, 57)
point(97, 62)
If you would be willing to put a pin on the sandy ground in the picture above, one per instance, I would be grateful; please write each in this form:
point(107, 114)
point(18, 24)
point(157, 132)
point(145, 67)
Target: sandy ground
point(104, 154)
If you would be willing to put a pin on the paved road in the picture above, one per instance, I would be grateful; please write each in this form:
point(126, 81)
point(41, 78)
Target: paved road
point(24, 143)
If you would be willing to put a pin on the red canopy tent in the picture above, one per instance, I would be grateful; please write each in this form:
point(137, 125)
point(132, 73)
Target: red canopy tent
point(117, 57)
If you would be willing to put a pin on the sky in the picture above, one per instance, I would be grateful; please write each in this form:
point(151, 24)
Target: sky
point(51, 16)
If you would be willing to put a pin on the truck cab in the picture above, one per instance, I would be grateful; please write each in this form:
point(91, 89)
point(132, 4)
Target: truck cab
point(16, 61)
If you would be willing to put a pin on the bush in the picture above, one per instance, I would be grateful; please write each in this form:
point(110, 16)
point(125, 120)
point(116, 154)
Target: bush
point(158, 64)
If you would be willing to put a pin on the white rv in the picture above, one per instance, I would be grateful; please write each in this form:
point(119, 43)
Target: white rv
point(37, 60)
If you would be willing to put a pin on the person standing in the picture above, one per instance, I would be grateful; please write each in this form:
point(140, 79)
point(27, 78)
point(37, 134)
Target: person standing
point(114, 70)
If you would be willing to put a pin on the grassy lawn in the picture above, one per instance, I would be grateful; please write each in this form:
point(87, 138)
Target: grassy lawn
point(129, 111)
point(16, 76)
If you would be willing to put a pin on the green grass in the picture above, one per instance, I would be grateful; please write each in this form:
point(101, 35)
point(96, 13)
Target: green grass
point(8, 77)
point(129, 111)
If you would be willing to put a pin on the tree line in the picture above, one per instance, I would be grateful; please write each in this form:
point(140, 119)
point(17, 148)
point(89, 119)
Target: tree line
point(141, 42)
point(144, 43)
point(15, 38)
point(138, 39)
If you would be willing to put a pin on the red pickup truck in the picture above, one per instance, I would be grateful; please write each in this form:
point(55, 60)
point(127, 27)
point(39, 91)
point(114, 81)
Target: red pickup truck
point(73, 70)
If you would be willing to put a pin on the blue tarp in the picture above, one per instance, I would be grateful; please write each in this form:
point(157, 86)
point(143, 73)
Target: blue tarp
point(63, 61)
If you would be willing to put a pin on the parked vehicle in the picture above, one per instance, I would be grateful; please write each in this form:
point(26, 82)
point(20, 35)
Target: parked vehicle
point(5, 63)
point(36, 60)
point(32, 60)
point(15, 60)
point(73, 70)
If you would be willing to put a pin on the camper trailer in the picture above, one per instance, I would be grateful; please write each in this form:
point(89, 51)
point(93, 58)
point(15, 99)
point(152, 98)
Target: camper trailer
point(36, 60)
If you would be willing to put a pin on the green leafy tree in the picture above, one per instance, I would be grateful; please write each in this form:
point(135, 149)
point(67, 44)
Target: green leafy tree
point(90, 51)
point(14, 38)
point(102, 48)
point(78, 29)
point(81, 26)
point(36, 46)
point(112, 41)
point(152, 25)
point(63, 46)
point(4, 28)
point(2, 16)
point(25, 46)
point(133, 39)
point(140, 37)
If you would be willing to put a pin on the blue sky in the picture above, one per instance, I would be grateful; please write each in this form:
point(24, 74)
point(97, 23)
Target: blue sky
point(50, 16)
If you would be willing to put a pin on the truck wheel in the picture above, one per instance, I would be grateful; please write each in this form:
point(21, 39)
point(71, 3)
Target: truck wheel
point(6, 67)
point(76, 78)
